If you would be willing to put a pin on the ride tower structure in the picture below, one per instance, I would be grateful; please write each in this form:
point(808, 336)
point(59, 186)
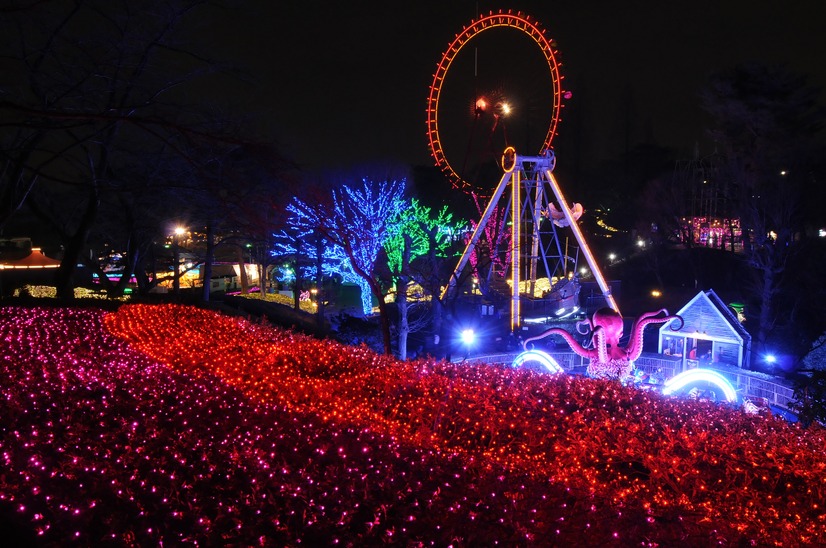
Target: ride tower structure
point(523, 242)
point(534, 239)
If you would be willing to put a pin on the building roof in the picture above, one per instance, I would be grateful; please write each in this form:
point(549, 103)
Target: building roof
point(706, 316)
point(36, 259)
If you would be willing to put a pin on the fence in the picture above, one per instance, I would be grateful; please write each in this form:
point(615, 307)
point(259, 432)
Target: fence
point(747, 383)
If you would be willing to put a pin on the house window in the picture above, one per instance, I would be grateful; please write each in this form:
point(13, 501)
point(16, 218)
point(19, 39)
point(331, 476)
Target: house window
point(672, 346)
point(726, 354)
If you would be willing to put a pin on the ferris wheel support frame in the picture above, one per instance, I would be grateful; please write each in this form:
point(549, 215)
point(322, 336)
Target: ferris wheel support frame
point(515, 176)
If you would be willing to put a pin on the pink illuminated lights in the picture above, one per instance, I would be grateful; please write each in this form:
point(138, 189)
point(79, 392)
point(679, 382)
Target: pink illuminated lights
point(173, 425)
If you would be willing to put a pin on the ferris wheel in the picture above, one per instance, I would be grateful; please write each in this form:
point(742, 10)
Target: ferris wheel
point(490, 103)
point(531, 248)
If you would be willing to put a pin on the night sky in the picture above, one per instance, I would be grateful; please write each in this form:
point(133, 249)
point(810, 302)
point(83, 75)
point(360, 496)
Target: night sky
point(344, 83)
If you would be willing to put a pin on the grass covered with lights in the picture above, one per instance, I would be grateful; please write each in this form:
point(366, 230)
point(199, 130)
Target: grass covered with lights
point(306, 305)
point(170, 424)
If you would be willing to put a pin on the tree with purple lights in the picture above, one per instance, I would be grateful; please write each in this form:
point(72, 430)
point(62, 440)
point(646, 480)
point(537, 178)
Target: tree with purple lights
point(355, 221)
point(491, 256)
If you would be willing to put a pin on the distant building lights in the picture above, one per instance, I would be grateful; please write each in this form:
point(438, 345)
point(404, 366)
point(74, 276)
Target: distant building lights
point(602, 224)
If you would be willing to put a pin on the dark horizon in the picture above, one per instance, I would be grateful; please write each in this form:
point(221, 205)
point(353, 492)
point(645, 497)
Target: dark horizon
point(346, 85)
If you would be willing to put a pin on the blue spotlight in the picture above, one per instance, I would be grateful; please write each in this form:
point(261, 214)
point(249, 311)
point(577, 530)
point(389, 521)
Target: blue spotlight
point(468, 337)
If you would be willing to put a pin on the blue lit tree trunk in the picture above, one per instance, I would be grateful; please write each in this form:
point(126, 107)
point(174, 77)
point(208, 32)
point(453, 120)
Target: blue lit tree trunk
point(319, 280)
point(298, 275)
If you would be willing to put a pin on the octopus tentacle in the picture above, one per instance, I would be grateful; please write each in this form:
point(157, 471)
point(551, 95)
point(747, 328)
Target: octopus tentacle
point(643, 316)
point(586, 322)
point(675, 317)
point(573, 343)
point(634, 348)
point(600, 344)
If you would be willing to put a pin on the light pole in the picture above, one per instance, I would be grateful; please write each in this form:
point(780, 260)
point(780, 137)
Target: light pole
point(176, 280)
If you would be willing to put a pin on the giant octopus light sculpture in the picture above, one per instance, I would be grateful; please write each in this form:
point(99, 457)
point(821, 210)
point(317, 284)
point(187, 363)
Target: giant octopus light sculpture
point(609, 360)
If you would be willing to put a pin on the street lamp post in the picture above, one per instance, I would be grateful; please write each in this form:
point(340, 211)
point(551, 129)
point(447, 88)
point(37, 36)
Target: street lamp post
point(176, 250)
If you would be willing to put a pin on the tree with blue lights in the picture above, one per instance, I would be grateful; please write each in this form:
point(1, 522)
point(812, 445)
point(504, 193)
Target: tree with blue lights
point(355, 221)
point(293, 248)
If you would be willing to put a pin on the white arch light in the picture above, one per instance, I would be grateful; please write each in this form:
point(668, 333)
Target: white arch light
point(538, 356)
point(696, 375)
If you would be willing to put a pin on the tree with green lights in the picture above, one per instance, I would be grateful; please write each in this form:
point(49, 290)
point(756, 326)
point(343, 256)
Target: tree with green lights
point(416, 251)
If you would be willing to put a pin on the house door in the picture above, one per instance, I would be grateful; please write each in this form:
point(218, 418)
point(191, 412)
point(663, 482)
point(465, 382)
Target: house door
point(699, 353)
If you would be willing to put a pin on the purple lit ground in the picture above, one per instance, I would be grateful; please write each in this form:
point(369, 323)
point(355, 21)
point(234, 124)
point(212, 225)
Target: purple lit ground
point(174, 425)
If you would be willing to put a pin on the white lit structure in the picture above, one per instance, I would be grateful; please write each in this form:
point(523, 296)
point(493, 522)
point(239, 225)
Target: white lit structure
point(711, 335)
point(543, 358)
point(533, 186)
point(692, 376)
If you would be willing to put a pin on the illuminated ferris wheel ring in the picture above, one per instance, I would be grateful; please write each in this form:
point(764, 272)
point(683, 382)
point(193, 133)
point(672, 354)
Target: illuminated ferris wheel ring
point(493, 20)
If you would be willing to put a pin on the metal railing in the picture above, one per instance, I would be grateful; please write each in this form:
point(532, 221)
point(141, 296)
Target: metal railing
point(747, 383)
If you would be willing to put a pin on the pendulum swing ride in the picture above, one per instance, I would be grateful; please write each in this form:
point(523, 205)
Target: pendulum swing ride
point(535, 207)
